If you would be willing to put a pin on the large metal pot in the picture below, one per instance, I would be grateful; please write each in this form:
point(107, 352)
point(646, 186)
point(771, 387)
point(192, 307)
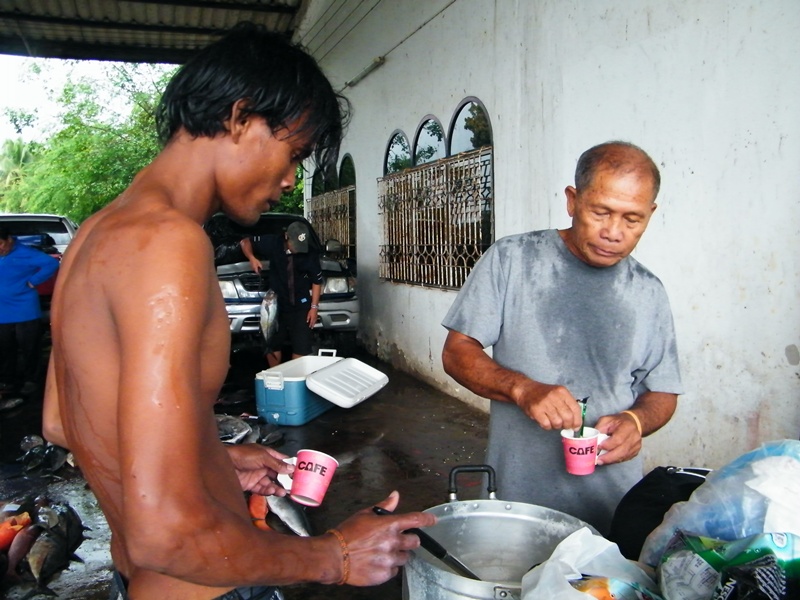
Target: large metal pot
point(499, 541)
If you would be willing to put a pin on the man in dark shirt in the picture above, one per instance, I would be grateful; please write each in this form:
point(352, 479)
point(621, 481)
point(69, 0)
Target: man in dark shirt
point(295, 276)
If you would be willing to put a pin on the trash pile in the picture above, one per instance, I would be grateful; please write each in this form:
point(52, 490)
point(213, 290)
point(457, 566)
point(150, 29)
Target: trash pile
point(736, 538)
point(38, 539)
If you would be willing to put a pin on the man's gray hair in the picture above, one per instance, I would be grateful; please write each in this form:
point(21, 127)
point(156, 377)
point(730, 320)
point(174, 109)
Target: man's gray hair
point(616, 156)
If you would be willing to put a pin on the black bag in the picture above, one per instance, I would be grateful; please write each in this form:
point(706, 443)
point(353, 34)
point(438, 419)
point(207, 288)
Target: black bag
point(643, 507)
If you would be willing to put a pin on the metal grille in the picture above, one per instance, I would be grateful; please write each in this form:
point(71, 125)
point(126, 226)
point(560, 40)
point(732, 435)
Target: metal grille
point(333, 215)
point(438, 219)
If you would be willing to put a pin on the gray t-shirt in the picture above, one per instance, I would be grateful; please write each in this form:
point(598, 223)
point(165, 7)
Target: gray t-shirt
point(606, 333)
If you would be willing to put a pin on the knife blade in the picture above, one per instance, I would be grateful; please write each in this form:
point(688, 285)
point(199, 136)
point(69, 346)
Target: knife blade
point(435, 548)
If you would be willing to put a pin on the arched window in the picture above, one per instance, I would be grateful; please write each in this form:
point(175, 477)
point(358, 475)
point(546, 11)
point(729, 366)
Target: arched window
point(430, 144)
point(470, 128)
point(317, 183)
point(438, 218)
point(347, 172)
point(398, 155)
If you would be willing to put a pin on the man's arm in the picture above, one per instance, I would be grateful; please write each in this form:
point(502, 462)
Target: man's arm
point(650, 412)
point(52, 428)
point(551, 406)
point(316, 292)
point(247, 249)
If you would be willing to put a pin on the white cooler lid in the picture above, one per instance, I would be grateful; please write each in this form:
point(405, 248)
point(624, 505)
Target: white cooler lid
point(346, 382)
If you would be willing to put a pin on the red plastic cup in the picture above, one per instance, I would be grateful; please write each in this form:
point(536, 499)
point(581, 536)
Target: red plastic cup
point(312, 475)
point(580, 454)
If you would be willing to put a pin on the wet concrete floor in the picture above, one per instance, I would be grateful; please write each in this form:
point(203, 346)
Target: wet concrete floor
point(406, 437)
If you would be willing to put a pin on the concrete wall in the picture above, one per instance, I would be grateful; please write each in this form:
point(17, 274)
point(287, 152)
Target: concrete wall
point(709, 89)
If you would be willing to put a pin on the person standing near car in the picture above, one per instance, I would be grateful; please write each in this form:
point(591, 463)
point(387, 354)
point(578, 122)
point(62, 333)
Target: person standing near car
point(141, 342)
point(295, 275)
point(22, 268)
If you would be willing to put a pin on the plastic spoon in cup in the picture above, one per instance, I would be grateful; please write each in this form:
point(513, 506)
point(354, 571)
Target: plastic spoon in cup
point(582, 402)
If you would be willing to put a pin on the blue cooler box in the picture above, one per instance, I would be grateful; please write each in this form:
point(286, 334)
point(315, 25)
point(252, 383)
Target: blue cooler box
point(282, 397)
point(299, 390)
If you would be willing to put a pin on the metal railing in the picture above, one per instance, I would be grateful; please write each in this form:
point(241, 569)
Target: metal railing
point(438, 219)
point(333, 215)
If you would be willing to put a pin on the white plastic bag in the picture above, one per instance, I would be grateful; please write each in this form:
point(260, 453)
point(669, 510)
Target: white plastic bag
point(581, 553)
point(756, 493)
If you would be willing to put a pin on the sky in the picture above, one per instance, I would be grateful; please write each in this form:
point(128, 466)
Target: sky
point(22, 90)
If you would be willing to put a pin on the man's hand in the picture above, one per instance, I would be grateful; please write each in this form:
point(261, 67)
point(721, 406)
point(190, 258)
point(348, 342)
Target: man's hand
point(311, 317)
point(624, 441)
point(551, 406)
point(257, 467)
point(650, 412)
point(247, 249)
point(256, 264)
point(377, 545)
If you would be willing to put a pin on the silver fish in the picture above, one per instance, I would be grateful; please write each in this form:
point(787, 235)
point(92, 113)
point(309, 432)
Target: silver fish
point(31, 441)
point(232, 430)
point(47, 556)
point(269, 315)
point(20, 547)
point(289, 514)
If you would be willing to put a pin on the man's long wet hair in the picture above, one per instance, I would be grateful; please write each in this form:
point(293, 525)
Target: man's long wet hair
point(617, 156)
point(279, 81)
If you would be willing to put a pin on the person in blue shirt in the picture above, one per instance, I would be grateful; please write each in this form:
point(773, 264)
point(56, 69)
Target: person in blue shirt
point(22, 268)
point(295, 275)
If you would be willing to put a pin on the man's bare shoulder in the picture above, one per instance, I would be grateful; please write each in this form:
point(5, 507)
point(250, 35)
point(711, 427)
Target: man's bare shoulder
point(154, 231)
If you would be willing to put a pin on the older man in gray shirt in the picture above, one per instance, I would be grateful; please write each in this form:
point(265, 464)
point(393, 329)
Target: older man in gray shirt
point(569, 313)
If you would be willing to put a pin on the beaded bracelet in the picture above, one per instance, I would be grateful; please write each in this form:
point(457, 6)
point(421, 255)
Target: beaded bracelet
point(345, 556)
point(635, 418)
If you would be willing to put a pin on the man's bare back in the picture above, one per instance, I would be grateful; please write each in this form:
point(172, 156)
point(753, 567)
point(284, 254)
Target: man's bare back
point(123, 260)
point(141, 348)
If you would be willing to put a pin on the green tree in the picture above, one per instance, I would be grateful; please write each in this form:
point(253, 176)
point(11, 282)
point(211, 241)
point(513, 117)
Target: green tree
point(106, 135)
point(478, 124)
point(15, 155)
point(293, 202)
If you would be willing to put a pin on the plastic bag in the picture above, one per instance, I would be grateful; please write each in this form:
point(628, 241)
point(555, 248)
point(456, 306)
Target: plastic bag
point(756, 493)
point(268, 321)
point(762, 566)
point(585, 554)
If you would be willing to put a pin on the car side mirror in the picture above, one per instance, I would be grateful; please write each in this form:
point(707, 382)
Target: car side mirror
point(333, 246)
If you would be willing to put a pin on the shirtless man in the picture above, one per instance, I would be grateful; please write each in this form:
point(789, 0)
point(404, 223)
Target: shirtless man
point(141, 342)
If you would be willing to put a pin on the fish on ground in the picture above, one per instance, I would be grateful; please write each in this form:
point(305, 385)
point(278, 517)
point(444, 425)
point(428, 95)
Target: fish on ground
point(232, 430)
point(47, 556)
point(19, 549)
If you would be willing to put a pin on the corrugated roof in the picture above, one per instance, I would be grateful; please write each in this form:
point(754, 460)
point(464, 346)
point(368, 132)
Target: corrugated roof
point(131, 30)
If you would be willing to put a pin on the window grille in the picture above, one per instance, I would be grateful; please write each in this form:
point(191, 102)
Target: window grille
point(333, 215)
point(438, 219)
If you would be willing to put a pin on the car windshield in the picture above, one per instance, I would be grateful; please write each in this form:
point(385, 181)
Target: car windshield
point(55, 229)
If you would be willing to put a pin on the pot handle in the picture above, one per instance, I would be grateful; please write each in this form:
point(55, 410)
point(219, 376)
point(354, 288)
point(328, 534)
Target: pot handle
point(492, 487)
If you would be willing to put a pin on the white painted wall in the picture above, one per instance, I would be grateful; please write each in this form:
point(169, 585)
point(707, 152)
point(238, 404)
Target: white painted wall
point(710, 89)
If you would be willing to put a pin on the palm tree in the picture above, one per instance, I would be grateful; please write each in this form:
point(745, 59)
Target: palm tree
point(14, 156)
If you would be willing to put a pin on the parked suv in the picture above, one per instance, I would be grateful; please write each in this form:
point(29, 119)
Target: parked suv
point(243, 289)
point(48, 233)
